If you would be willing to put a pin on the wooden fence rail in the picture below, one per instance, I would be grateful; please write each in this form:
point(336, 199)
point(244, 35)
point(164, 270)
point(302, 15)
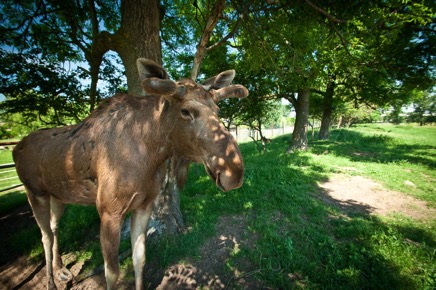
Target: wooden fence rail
point(9, 165)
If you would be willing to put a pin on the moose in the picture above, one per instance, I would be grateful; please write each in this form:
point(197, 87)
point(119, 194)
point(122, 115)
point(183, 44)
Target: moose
point(116, 159)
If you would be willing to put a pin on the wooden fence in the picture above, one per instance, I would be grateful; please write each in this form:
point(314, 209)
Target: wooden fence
point(6, 166)
point(242, 134)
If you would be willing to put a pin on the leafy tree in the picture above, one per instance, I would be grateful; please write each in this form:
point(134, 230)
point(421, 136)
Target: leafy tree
point(85, 31)
point(349, 113)
point(40, 91)
point(374, 58)
point(284, 40)
point(425, 109)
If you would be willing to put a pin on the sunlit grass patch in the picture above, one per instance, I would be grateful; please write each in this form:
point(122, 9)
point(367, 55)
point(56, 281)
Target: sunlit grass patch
point(294, 237)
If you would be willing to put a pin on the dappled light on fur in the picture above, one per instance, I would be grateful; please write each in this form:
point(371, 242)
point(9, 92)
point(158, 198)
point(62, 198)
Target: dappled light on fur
point(117, 159)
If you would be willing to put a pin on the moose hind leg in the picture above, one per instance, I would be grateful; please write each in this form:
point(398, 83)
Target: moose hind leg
point(57, 209)
point(41, 209)
point(138, 234)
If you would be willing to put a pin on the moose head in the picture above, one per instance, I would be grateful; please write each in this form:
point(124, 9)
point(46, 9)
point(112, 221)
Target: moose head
point(196, 131)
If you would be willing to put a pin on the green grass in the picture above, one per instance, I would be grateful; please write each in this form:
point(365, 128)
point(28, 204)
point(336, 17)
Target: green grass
point(8, 177)
point(297, 234)
point(300, 235)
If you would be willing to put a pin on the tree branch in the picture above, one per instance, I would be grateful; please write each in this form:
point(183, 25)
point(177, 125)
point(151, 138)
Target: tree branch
point(323, 12)
point(228, 36)
point(207, 32)
point(94, 19)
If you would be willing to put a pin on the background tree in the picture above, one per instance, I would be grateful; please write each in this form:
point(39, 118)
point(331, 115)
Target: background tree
point(284, 40)
point(86, 31)
point(39, 90)
point(424, 108)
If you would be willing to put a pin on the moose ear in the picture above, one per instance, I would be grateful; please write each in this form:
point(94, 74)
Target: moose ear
point(233, 91)
point(219, 81)
point(159, 86)
point(149, 69)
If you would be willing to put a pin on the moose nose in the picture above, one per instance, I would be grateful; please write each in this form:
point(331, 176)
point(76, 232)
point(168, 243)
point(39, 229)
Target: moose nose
point(231, 179)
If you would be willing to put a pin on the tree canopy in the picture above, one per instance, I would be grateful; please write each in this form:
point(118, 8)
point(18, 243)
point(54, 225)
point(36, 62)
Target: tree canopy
point(55, 54)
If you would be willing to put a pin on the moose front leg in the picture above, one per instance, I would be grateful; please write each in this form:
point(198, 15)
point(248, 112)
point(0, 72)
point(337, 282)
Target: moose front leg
point(138, 235)
point(110, 229)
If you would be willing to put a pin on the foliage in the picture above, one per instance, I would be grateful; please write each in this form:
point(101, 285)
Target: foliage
point(182, 27)
point(40, 90)
point(62, 34)
point(348, 114)
point(378, 52)
point(5, 132)
point(425, 109)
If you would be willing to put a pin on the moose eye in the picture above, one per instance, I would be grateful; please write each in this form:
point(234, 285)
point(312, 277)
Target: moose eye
point(186, 114)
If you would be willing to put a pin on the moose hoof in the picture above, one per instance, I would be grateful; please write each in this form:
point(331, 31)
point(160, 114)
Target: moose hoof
point(64, 275)
point(51, 285)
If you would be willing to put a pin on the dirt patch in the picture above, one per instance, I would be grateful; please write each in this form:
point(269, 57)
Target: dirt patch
point(25, 274)
point(210, 271)
point(361, 194)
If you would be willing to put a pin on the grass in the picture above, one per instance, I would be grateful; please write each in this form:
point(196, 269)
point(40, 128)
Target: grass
point(300, 240)
point(8, 177)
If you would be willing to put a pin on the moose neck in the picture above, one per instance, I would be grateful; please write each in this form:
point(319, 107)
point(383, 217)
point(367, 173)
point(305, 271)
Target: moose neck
point(156, 132)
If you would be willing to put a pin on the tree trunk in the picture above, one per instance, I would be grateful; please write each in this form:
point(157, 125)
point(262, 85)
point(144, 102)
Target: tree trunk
point(299, 135)
point(94, 63)
point(138, 36)
point(339, 122)
point(327, 113)
point(167, 217)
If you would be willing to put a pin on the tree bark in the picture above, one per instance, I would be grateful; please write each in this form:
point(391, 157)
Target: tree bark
point(166, 217)
point(339, 122)
point(138, 36)
point(205, 37)
point(299, 135)
point(327, 113)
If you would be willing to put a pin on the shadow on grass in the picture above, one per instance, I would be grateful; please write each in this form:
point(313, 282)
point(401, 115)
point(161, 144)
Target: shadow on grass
point(378, 148)
point(21, 237)
point(11, 200)
point(304, 238)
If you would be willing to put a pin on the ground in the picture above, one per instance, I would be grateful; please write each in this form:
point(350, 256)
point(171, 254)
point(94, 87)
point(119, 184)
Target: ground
point(353, 193)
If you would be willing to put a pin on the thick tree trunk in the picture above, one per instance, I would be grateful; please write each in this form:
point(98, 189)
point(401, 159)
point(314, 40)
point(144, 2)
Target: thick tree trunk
point(167, 217)
point(327, 113)
point(299, 135)
point(137, 37)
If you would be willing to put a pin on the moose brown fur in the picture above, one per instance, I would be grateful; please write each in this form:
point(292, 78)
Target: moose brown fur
point(116, 160)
